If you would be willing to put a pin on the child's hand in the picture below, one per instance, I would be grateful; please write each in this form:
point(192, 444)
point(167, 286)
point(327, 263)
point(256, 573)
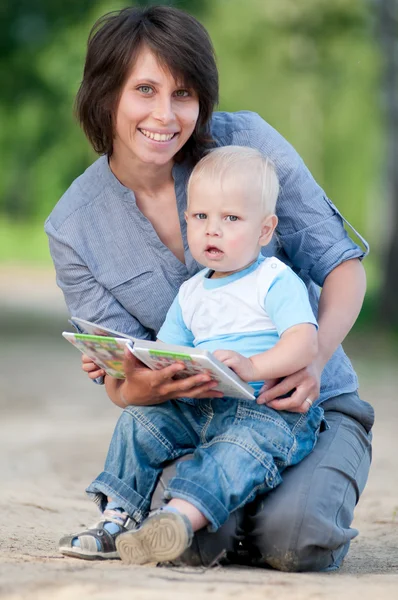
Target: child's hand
point(241, 365)
point(92, 369)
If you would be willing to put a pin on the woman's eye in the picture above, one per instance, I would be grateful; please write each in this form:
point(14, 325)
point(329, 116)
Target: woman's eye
point(182, 93)
point(145, 89)
point(231, 218)
point(200, 216)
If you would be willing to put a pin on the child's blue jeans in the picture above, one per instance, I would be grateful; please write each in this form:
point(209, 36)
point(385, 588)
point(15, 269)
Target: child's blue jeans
point(239, 450)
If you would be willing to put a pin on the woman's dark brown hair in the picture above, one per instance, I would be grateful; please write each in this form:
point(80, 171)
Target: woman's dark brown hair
point(177, 39)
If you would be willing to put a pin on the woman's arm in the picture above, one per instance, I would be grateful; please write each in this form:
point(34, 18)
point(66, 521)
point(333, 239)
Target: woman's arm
point(87, 298)
point(84, 296)
point(313, 236)
point(339, 306)
point(143, 386)
point(340, 303)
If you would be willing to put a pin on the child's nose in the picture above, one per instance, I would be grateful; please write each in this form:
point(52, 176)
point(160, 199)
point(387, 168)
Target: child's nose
point(213, 228)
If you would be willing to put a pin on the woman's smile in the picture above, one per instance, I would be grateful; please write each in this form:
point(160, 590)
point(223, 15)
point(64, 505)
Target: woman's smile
point(159, 112)
point(158, 136)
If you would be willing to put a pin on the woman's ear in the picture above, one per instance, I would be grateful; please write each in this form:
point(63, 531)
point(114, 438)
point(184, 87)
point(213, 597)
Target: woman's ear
point(267, 229)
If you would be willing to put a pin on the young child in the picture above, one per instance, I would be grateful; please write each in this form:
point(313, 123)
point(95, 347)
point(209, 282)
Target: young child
point(254, 314)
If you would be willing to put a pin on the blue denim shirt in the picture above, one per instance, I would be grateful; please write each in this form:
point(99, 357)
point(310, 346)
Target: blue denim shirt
point(114, 270)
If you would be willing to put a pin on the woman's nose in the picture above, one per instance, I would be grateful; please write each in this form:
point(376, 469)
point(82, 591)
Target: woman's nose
point(163, 110)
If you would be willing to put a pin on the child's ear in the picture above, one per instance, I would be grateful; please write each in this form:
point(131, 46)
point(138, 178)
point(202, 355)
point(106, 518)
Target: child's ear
point(267, 229)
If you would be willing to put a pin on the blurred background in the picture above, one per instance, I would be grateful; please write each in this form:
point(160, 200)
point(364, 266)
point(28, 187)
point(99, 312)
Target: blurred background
point(323, 73)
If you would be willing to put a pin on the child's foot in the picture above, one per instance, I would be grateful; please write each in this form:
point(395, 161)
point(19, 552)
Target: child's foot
point(162, 537)
point(99, 541)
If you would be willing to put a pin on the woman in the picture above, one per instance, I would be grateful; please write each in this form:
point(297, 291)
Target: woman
point(118, 241)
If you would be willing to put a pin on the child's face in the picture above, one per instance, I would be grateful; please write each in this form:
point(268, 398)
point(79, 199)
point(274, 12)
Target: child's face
point(226, 225)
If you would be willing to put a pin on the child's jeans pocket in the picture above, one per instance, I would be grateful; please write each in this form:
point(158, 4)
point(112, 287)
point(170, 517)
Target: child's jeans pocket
point(306, 430)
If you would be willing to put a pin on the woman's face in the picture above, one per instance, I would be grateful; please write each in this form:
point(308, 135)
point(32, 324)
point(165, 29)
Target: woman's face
point(155, 116)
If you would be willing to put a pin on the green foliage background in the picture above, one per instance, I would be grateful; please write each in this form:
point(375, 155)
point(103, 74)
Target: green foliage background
point(310, 68)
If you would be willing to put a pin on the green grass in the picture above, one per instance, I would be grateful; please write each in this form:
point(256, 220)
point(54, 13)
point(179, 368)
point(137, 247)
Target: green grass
point(23, 243)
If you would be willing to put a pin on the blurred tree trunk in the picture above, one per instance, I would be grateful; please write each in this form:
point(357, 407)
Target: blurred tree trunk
point(387, 20)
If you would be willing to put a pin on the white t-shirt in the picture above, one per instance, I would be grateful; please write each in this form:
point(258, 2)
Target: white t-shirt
point(247, 311)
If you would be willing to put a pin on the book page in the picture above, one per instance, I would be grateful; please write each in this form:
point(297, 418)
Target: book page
point(106, 352)
point(195, 362)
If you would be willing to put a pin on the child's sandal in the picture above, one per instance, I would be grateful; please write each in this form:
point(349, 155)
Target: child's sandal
point(96, 543)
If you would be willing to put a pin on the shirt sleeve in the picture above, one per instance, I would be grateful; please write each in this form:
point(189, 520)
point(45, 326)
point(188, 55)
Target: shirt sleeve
point(311, 230)
point(287, 302)
point(174, 330)
point(84, 296)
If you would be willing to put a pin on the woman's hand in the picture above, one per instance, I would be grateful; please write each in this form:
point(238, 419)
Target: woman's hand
point(146, 386)
point(92, 369)
point(305, 385)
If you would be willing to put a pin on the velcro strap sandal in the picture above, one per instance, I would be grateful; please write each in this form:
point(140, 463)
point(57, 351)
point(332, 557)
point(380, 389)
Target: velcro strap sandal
point(96, 542)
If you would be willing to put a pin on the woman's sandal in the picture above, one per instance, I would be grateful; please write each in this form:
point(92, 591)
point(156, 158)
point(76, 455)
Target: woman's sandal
point(93, 537)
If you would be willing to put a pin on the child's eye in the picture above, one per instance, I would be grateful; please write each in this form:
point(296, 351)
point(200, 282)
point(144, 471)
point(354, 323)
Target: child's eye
point(200, 216)
point(182, 93)
point(231, 218)
point(145, 89)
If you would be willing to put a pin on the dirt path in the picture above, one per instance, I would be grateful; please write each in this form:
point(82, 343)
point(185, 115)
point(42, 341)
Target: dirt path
point(48, 454)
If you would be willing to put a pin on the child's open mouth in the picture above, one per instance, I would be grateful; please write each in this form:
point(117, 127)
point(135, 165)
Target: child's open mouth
point(213, 252)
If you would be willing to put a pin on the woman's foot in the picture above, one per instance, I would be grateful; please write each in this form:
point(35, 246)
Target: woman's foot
point(162, 537)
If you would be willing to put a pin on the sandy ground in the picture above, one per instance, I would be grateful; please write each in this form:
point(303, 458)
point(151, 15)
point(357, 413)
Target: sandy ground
point(54, 431)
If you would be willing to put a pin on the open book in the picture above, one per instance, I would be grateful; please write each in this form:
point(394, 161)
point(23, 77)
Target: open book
point(106, 348)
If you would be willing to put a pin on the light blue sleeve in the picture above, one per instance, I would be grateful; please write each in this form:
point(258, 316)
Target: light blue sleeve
point(174, 330)
point(287, 302)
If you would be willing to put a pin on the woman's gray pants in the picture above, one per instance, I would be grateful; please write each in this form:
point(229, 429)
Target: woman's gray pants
point(305, 523)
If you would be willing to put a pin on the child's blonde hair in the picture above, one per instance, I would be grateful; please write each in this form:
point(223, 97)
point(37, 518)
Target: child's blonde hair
point(244, 165)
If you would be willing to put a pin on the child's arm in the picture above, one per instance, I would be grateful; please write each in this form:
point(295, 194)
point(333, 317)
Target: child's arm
point(296, 349)
point(287, 304)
